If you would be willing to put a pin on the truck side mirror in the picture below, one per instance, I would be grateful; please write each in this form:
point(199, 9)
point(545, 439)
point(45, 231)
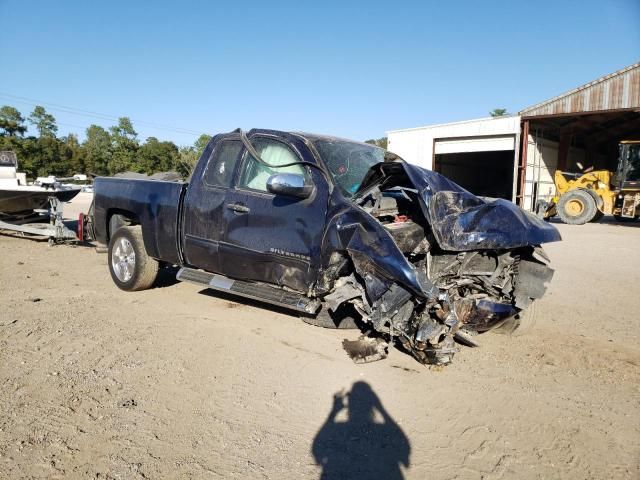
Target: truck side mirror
point(290, 184)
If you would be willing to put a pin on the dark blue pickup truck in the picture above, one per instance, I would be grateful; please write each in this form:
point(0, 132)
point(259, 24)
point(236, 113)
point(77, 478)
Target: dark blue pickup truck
point(345, 233)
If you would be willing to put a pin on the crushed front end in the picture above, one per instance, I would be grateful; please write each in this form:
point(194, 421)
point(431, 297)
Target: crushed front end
point(427, 265)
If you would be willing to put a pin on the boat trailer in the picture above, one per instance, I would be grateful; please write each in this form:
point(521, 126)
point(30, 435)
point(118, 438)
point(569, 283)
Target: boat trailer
point(56, 230)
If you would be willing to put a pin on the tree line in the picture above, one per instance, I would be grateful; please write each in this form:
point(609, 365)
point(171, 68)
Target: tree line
point(103, 152)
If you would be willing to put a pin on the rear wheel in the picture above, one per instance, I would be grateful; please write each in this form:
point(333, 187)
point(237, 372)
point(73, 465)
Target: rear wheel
point(577, 207)
point(130, 267)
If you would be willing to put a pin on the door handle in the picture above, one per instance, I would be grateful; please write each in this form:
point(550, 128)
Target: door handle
point(238, 208)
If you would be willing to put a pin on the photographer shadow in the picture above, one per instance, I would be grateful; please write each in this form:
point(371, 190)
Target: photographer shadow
point(361, 447)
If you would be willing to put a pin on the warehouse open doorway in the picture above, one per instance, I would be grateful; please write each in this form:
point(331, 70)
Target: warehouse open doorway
point(487, 174)
point(574, 144)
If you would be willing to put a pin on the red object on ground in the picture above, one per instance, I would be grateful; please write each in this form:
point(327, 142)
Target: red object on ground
point(80, 227)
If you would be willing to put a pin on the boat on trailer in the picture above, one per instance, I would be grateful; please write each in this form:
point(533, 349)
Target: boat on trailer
point(19, 199)
point(21, 203)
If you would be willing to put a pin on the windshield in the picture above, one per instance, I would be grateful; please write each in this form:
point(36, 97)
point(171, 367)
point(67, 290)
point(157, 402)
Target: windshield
point(633, 167)
point(348, 162)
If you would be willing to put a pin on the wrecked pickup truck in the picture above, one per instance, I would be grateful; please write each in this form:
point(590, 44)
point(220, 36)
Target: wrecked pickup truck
point(345, 233)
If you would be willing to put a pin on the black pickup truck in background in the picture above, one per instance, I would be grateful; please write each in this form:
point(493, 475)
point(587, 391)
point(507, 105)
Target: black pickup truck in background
point(343, 232)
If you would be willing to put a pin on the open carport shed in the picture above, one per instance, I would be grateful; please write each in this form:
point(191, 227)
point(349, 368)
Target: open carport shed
point(516, 157)
point(577, 130)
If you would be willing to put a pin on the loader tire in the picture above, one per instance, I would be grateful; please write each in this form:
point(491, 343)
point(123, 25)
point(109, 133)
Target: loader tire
point(597, 217)
point(130, 267)
point(344, 318)
point(577, 207)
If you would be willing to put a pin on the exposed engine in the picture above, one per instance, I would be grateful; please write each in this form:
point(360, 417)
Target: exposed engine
point(477, 290)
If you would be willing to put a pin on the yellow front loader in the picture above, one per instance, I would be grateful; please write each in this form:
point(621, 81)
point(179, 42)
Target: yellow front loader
point(586, 197)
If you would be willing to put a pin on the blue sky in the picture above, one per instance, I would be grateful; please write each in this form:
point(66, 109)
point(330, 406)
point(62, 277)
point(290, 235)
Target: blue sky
point(353, 69)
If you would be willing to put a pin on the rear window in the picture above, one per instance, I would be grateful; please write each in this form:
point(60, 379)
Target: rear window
point(219, 172)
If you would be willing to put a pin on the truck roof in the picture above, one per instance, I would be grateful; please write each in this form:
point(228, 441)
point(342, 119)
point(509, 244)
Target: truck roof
point(309, 136)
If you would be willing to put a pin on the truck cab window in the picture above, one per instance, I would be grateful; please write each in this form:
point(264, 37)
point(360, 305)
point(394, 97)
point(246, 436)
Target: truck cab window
point(219, 171)
point(255, 175)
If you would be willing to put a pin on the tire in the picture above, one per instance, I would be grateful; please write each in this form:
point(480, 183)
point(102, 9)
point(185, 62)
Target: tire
point(130, 267)
point(344, 318)
point(577, 207)
point(597, 217)
point(519, 325)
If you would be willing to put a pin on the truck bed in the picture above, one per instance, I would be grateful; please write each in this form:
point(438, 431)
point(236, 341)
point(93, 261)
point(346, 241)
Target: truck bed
point(154, 204)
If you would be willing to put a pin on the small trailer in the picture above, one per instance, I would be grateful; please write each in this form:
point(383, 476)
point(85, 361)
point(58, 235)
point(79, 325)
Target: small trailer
point(55, 229)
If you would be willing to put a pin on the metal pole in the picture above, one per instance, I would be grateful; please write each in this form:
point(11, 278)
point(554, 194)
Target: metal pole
point(523, 161)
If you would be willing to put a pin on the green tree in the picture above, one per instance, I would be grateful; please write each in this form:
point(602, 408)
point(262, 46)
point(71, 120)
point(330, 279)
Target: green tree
point(104, 152)
point(73, 154)
point(44, 122)
point(98, 150)
point(498, 112)
point(11, 121)
point(44, 156)
point(155, 156)
point(189, 155)
point(23, 148)
point(124, 141)
point(380, 142)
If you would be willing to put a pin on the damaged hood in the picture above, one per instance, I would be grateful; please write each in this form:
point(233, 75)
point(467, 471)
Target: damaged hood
point(460, 221)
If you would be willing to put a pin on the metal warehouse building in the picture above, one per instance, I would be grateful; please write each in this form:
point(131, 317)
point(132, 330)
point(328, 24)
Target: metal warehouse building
point(516, 157)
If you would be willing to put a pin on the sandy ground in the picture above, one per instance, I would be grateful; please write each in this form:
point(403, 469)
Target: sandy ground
point(176, 382)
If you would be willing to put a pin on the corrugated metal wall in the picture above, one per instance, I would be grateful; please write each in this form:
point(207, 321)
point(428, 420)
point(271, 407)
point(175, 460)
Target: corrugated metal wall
point(619, 90)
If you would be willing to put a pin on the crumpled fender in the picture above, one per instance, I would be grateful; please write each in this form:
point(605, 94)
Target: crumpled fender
point(372, 250)
point(460, 221)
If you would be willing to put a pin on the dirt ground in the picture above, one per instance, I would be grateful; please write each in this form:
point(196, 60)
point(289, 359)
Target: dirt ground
point(178, 382)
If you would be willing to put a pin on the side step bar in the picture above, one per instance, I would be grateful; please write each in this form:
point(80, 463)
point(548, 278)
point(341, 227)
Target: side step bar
point(255, 291)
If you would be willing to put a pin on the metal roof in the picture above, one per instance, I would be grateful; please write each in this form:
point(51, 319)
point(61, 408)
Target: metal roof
point(461, 122)
point(616, 91)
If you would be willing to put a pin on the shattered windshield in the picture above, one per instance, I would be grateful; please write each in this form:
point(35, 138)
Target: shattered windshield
point(348, 162)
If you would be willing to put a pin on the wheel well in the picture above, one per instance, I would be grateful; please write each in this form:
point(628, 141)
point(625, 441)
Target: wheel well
point(117, 218)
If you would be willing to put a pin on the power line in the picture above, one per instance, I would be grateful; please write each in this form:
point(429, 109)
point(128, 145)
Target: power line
point(64, 124)
point(92, 114)
point(89, 113)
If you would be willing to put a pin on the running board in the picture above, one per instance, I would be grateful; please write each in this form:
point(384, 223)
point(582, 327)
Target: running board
point(255, 291)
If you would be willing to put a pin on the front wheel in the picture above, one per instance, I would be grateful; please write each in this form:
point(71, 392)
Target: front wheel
point(343, 318)
point(130, 266)
point(597, 217)
point(520, 324)
point(577, 207)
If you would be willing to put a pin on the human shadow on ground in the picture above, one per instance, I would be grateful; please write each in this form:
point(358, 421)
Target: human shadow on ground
point(360, 447)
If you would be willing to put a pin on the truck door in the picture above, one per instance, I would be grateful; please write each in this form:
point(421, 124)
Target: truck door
point(205, 202)
point(274, 238)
